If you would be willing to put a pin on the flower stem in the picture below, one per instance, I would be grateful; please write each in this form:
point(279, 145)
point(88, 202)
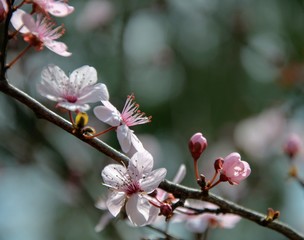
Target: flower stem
point(98, 134)
point(196, 169)
point(213, 185)
point(18, 57)
point(71, 118)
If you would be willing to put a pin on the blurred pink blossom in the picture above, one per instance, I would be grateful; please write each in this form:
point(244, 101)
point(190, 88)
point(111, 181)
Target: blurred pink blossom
point(199, 223)
point(234, 170)
point(95, 14)
point(39, 33)
point(56, 8)
point(292, 145)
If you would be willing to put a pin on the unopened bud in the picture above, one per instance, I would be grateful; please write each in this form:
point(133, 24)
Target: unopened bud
point(218, 164)
point(292, 145)
point(166, 210)
point(197, 145)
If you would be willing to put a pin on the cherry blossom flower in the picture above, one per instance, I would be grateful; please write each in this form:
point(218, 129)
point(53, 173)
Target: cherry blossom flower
point(234, 170)
point(39, 33)
point(73, 92)
point(130, 116)
point(200, 222)
point(56, 8)
point(129, 186)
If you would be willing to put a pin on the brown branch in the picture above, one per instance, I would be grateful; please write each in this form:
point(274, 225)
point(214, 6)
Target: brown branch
point(44, 113)
point(230, 207)
point(178, 190)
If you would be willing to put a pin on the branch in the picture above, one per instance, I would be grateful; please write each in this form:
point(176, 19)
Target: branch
point(177, 190)
point(230, 207)
point(44, 113)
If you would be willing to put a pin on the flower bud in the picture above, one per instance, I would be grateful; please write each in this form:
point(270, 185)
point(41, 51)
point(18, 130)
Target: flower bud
point(292, 145)
point(197, 145)
point(166, 210)
point(218, 164)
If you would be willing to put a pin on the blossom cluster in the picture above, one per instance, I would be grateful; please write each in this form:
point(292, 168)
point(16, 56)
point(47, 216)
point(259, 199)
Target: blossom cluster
point(133, 188)
point(38, 28)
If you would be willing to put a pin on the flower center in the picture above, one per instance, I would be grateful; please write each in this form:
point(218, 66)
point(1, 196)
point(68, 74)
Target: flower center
point(132, 188)
point(71, 99)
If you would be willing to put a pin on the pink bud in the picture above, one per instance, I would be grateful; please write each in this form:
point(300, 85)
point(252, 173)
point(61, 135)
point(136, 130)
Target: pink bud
point(218, 164)
point(292, 145)
point(234, 170)
point(197, 145)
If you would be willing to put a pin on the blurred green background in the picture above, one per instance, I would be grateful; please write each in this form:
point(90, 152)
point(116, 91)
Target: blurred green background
point(232, 70)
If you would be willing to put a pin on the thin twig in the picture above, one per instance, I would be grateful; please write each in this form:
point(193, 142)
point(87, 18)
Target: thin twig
point(5, 41)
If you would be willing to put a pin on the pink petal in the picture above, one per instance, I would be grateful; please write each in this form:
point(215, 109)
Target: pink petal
point(137, 210)
point(84, 76)
point(112, 175)
point(57, 47)
point(52, 77)
point(124, 137)
point(103, 222)
point(141, 163)
point(181, 173)
point(107, 115)
point(59, 9)
point(17, 21)
point(151, 181)
point(95, 93)
point(136, 143)
point(74, 106)
point(115, 202)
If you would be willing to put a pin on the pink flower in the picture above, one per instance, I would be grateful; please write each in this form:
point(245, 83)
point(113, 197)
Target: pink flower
point(130, 185)
point(197, 145)
point(233, 169)
point(130, 116)
point(3, 10)
point(74, 92)
point(39, 33)
point(56, 8)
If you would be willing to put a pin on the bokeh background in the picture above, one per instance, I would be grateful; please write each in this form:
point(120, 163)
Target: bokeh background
point(232, 70)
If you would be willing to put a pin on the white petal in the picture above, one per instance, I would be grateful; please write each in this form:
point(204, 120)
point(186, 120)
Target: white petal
point(137, 210)
point(59, 9)
point(124, 137)
point(17, 21)
point(113, 175)
point(137, 143)
point(91, 94)
point(74, 106)
point(151, 181)
point(141, 164)
point(103, 222)
point(29, 23)
point(107, 115)
point(53, 82)
point(115, 202)
point(57, 47)
point(181, 173)
point(83, 77)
